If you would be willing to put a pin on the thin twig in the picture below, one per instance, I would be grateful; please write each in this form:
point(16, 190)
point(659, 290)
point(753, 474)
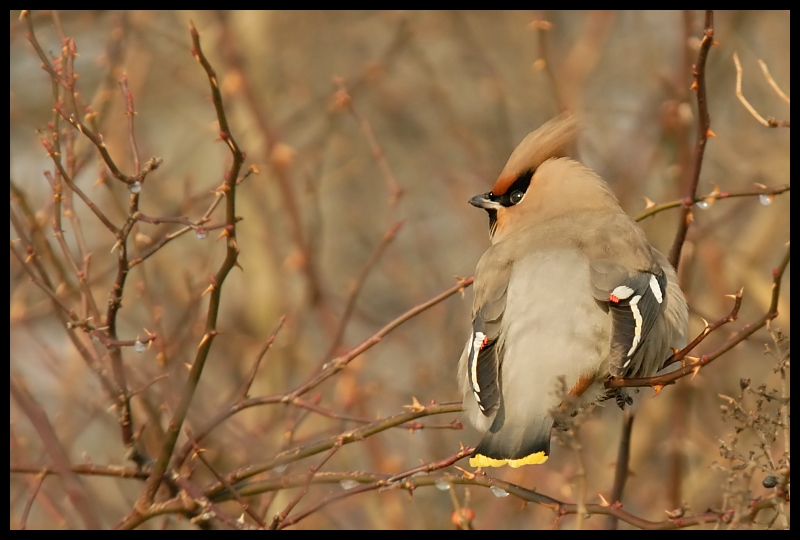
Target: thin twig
point(622, 469)
point(198, 452)
point(76, 492)
point(339, 363)
point(36, 485)
point(267, 346)
point(327, 371)
point(740, 95)
point(711, 197)
point(322, 445)
point(428, 467)
point(280, 518)
point(358, 284)
point(231, 255)
point(88, 469)
point(703, 133)
point(130, 113)
point(772, 82)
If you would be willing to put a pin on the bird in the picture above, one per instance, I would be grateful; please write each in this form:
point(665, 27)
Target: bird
point(569, 292)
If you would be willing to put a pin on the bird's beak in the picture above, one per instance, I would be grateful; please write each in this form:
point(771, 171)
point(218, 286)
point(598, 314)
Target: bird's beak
point(483, 201)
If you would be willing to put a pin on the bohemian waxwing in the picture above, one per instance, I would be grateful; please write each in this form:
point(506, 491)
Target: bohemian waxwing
point(570, 288)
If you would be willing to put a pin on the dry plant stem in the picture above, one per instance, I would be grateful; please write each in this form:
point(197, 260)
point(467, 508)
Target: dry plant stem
point(339, 363)
point(322, 445)
point(748, 330)
point(200, 509)
point(130, 112)
point(254, 370)
point(67, 82)
point(429, 467)
point(231, 255)
point(395, 191)
point(218, 195)
point(280, 518)
point(112, 471)
point(709, 328)
point(561, 508)
point(580, 475)
point(67, 317)
point(68, 179)
point(198, 452)
point(38, 237)
point(455, 424)
point(37, 484)
point(58, 233)
point(772, 82)
point(76, 492)
point(623, 465)
point(703, 132)
point(714, 196)
point(358, 284)
point(181, 456)
point(771, 122)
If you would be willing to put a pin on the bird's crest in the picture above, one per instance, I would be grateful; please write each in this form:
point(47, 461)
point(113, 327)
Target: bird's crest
point(551, 140)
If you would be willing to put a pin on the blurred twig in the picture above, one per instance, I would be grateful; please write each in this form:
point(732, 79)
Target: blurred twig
point(771, 122)
point(76, 492)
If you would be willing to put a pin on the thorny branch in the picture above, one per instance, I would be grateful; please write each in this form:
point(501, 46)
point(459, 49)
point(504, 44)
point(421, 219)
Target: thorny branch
point(703, 133)
point(231, 255)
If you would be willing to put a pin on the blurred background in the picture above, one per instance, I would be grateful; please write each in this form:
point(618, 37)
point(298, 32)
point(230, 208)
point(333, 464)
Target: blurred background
point(338, 110)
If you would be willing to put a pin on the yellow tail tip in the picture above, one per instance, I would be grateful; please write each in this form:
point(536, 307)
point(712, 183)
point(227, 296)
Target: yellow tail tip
point(479, 460)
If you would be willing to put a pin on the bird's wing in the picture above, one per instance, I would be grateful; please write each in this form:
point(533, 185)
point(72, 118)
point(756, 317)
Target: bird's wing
point(635, 299)
point(484, 351)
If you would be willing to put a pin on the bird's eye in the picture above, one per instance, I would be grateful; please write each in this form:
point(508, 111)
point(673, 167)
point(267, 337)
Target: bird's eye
point(516, 197)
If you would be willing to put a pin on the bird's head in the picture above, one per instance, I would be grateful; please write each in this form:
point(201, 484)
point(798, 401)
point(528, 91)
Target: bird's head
point(536, 184)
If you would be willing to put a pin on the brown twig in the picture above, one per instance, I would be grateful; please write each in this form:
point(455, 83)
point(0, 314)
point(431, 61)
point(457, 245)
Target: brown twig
point(199, 227)
point(232, 252)
point(771, 122)
point(88, 469)
point(198, 452)
point(344, 100)
point(428, 467)
point(243, 393)
point(358, 284)
point(347, 437)
point(327, 371)
point(279, 519)
point(339, 363)
point(710, 198)
point(703, 133)
point(622, 469)
point(130, 112)
point(772, 82)
point(68, 82)
point(76, 492)
point(36, 485)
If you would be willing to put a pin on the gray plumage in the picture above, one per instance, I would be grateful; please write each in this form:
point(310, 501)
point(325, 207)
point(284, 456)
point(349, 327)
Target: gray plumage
point(570, 288)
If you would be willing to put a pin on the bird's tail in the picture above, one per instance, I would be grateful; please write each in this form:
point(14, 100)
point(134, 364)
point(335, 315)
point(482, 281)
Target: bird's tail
point(529, 446)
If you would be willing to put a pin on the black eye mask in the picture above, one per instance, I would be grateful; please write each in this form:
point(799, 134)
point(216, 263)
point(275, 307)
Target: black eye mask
point(515, 192)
